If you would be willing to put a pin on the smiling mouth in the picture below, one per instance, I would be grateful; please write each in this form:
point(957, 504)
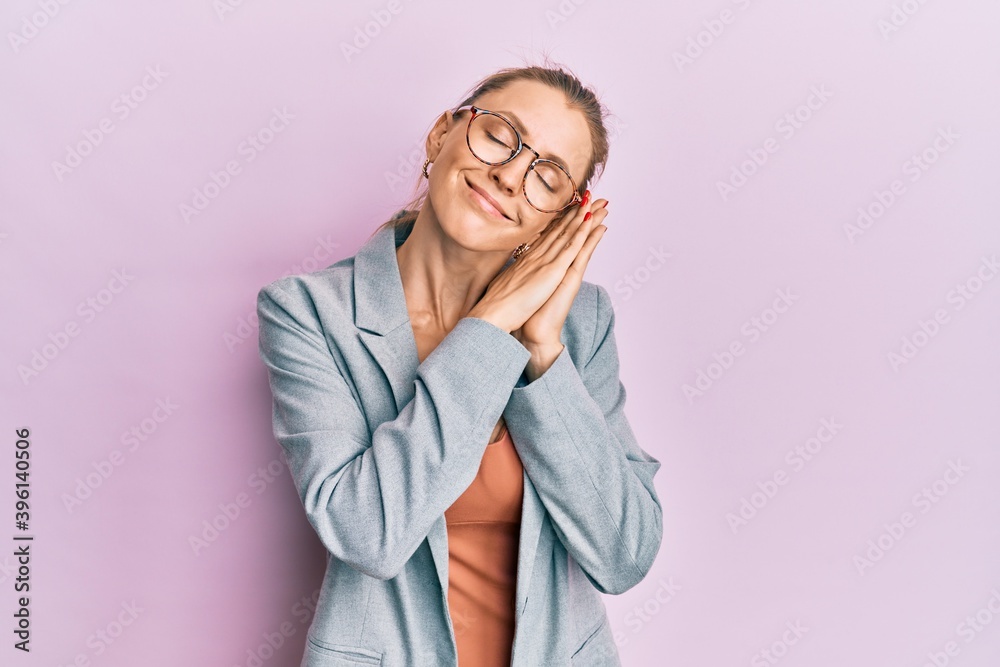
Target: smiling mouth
point(485, 204)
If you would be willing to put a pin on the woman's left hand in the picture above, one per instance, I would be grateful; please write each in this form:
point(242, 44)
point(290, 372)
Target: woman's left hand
point(541, 330)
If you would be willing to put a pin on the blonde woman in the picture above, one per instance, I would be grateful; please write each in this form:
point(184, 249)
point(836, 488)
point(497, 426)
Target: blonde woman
point(450, 406)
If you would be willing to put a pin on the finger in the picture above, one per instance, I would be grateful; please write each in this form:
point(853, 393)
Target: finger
point(587, 232)
point(582, 231)
point(579, 265)
point(566, 237)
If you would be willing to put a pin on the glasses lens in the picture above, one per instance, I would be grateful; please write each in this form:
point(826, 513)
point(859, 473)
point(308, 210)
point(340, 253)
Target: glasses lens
point(494, 140)
point(491, 138)
point(548, 187)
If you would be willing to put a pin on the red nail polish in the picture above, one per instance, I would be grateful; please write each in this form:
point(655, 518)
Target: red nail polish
point(606, 202)
point(587, 217)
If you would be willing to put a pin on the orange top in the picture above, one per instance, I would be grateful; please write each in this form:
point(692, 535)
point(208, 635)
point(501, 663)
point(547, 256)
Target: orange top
point(484, 527)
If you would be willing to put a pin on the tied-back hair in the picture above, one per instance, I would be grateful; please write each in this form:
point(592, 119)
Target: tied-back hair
point(578, 97)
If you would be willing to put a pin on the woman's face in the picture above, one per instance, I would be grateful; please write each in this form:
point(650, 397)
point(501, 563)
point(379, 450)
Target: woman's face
point(550, 127)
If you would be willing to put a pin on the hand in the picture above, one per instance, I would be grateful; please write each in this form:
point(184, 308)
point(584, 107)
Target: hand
point(532, 297)
point(543, 327)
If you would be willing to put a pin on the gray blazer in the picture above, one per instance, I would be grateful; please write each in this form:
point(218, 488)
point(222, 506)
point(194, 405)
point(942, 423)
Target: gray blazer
point(379, 445)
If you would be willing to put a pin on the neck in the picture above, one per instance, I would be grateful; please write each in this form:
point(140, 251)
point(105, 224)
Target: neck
point(442, 281)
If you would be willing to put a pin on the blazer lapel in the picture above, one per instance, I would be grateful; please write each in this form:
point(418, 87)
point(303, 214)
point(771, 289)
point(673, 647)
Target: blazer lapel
point(380, 312)
point(385, 330)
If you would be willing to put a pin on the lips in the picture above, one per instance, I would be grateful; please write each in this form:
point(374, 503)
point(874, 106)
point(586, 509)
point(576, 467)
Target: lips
point(493, 202)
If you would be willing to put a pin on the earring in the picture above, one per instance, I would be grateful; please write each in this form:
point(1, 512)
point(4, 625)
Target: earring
point(426, 162)
point(519, 250)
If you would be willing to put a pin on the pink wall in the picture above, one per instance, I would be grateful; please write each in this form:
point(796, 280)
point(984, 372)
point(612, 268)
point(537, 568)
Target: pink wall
point(860, 408)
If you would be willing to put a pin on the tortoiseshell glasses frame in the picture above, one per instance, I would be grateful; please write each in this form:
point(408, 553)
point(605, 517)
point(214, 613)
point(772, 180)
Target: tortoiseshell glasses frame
point(478, 111)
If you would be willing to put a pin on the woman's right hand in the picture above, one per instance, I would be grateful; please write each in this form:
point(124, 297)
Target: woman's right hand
point(524, 286)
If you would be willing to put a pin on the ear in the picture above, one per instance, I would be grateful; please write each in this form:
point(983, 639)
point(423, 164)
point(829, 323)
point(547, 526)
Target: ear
point(438, 133)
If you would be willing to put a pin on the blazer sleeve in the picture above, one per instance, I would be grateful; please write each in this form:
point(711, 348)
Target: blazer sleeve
point(373, 498)
point(596, 483)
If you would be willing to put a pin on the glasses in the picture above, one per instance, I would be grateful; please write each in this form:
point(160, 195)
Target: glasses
point(492, 138)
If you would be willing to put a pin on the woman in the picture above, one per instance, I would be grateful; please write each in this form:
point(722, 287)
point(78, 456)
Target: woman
point(449, 403)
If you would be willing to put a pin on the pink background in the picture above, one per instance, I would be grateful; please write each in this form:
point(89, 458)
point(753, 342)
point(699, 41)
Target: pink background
point(169, 346)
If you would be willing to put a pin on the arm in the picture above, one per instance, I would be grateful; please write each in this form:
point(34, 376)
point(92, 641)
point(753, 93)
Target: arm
point(372, 499)
point(579, 451)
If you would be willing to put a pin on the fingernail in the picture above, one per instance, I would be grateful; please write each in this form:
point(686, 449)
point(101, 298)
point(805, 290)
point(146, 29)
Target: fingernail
point(587, 217)
point(606, 202)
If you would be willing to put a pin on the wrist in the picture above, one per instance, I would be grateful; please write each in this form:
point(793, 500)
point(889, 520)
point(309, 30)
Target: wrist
point(542, 357)
point(488, 317)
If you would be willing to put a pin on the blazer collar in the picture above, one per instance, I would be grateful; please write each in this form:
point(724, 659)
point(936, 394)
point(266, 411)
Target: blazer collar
point(378, 288)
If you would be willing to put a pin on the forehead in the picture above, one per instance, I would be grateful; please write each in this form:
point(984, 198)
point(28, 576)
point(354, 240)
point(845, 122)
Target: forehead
point(550, 126)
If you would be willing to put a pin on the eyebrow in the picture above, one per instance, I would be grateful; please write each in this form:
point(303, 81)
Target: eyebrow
point(524, 132)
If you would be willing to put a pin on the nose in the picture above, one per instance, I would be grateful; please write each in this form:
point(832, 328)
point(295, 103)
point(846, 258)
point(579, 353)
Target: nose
point(508, 176)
